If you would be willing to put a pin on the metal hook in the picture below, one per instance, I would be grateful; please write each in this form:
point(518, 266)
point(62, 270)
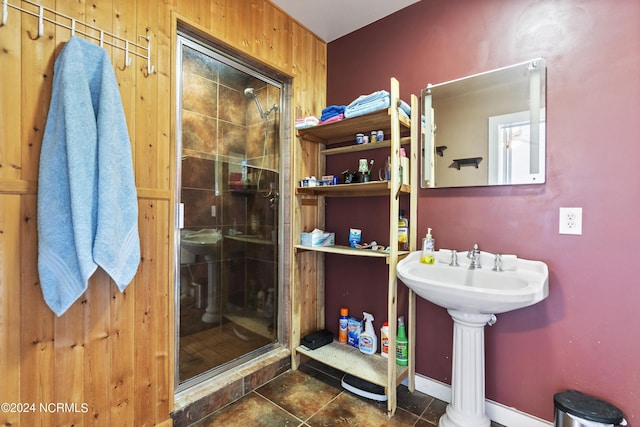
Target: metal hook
point(40, 23)
point(4, 13)
point(73, 27)
point(127, 57)
point(101, 38)
point(150, 68)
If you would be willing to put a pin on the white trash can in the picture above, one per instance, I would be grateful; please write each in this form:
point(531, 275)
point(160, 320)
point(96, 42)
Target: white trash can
point(575, 409)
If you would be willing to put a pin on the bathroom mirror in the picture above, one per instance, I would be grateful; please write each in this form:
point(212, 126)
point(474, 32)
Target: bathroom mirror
point(485, 129)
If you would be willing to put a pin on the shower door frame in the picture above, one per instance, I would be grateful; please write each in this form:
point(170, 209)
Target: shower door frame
point(256, 69)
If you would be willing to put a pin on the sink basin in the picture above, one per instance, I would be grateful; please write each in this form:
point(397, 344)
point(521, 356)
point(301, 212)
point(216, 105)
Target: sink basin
point(202, 242)
point(482, 290)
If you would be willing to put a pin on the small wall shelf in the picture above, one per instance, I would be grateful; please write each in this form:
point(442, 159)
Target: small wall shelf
point(469, 161)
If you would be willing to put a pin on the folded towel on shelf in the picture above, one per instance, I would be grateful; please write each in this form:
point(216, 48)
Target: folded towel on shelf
point(331, 111)
point(375, 101)
point(305, 122)
point(333, 119)
point(87, 201)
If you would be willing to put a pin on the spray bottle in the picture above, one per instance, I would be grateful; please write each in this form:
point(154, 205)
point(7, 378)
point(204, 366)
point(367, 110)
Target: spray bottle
point(402, 344)
point(368, 341)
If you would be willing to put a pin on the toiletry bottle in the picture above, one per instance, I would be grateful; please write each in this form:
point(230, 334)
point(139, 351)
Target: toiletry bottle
point(402, 344)
point(245, 172)
point(268, 305)
point(428, 249)
point(384, 340)
point(368, 343)
point(403, 232)
point(260, 301)
point(343, 324)
point(404, 167)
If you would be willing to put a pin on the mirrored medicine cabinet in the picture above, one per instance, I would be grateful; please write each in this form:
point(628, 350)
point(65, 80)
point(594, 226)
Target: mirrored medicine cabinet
point(485, 129)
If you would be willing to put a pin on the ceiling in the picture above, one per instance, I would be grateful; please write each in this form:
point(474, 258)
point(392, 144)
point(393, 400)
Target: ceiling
point(332, 19)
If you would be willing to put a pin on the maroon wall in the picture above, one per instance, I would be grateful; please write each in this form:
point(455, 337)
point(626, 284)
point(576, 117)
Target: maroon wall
point(586, 335)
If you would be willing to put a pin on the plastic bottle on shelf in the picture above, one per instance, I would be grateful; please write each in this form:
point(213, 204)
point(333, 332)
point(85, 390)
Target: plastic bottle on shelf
point(260, 301)
point(384, 339)
point(404, 167)
point(245, 172)
point(268, 305)
point(343, 325)
point(403, 232)
point(368, 342)
point(402, 344)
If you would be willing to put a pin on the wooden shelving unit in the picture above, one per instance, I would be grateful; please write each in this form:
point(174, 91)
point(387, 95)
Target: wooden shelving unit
point(315, 143)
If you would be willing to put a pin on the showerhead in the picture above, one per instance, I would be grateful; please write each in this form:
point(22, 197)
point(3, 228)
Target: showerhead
point(250, 93)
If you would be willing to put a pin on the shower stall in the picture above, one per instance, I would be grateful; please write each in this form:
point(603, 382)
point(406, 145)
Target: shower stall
point(228, 212)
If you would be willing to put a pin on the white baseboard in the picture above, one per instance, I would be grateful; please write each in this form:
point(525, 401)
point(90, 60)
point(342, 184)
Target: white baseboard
point(498, 412)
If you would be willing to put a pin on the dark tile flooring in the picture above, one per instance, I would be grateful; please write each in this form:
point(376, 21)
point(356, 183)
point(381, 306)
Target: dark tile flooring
point(313, 396)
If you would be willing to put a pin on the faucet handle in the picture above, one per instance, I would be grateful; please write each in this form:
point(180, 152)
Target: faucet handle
point(454, 258)
point(497, 263)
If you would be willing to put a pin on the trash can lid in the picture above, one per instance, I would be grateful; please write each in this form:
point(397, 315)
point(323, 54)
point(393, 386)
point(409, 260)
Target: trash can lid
point(589, 408)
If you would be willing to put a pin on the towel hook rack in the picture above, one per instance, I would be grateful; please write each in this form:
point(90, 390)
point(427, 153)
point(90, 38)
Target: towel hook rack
point(130, 48)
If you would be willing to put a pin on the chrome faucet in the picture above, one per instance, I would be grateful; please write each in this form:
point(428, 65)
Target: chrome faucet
point(454, 259)
point(474, 256)
point(497, 263)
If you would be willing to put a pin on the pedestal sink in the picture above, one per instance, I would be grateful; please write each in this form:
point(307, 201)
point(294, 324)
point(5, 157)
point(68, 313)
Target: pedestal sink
point(206, 242)
point(472, 298)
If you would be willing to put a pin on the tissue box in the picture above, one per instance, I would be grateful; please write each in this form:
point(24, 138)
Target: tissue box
point(318, 239)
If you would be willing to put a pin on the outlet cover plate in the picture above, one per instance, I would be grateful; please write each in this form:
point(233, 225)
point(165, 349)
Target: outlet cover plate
point(570, 221)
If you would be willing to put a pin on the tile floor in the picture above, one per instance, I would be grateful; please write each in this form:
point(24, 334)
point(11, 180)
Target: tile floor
point(313, 396)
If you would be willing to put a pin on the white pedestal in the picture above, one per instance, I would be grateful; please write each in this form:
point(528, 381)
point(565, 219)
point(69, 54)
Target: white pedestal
point(212, 312)
point(467, 386)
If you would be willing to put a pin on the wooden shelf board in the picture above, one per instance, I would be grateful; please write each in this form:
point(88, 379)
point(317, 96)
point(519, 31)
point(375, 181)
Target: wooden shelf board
point(348, 359)
point(342, 130)
point(362, 147)
point(371, 188)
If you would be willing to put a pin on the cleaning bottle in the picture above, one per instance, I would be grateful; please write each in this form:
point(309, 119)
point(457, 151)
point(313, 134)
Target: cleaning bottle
point(368, 343)
point(343, 324)
point(402, 344)
point(384, 339)
point(403, 232)
point(428, 249)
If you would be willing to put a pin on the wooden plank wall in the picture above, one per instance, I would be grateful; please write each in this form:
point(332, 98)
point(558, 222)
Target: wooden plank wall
point(113, 351)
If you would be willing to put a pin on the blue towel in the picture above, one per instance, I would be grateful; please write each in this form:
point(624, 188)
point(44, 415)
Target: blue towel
point(332, 111)
point(87, 202)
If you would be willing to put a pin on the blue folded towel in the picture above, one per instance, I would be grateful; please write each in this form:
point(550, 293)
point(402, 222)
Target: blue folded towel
point(87, 202)
point(332, 111)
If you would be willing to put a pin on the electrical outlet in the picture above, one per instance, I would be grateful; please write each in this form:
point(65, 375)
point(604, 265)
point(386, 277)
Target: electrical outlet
point(571, 221)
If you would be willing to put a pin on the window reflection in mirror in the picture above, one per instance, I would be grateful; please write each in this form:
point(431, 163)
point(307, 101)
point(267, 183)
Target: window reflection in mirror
point(485, 129)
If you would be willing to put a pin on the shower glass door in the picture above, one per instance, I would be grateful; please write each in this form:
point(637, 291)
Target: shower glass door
point(228, 148)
